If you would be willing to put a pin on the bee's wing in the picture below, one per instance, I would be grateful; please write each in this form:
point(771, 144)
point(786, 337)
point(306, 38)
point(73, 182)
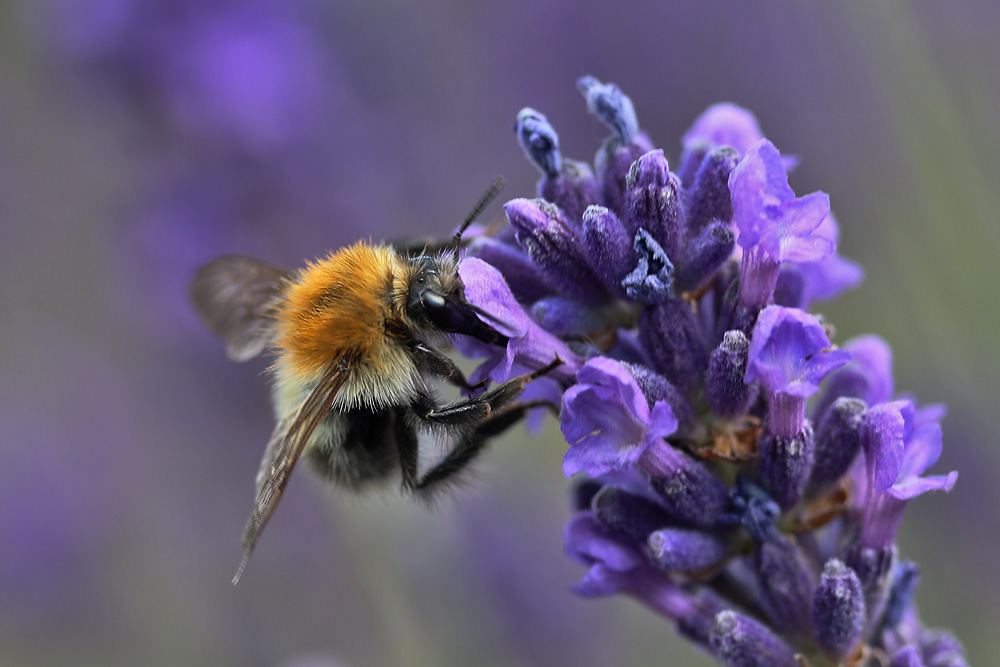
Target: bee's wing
point(283, 452)
point(234, 296)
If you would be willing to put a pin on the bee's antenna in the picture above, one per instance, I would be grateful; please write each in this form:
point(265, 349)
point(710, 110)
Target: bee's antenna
point(491, 192)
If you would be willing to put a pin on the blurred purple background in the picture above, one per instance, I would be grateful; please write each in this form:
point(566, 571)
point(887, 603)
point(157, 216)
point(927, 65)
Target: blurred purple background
point(139, 138)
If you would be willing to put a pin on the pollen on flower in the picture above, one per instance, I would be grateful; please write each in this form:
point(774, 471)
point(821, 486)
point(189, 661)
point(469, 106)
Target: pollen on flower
point(745, 475)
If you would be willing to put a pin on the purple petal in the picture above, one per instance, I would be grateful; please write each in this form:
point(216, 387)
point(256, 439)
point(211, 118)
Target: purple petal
point(604, 372)
point(724, 124)
point(872, 356)
point(529, 345)
point(663, 422)
point(605, 418)
point(801, 217)
point(882, 431)
point(922, 450)
point(766, 212)
point(759, 185)
point(789, 352)
point(915, 486)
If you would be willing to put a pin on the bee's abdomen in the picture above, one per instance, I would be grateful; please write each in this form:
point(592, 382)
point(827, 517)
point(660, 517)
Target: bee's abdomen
point(357, 447)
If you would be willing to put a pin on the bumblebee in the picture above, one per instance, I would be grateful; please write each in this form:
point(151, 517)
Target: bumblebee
point(357, 339)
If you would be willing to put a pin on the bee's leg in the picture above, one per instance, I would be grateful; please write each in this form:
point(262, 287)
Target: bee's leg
point(409, 451)
point(472, 443)
point(480, 418)
point(471, 411)
point(441, 365)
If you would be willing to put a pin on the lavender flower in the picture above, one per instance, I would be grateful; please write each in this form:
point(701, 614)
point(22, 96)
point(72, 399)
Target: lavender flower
point(710, 490)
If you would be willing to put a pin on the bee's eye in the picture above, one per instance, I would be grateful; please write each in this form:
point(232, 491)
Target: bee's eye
point(433, 300)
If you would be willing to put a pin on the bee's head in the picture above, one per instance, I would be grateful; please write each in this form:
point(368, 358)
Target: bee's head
point(437, 300)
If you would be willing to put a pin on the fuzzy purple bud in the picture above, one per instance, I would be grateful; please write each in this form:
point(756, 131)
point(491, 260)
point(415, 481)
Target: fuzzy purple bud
point(838, 441)
point(671, 337)
point(704, 255)
point(874, 569)
point(654, 202)
point(838, 609)
point(608, 246)
point(611, 106)
point(554, 247)
point(725, 390)
point(539, 140)
point(685, 550)
point(573, 190)
point(687, 488)
point(742, 642)
point(709, 199)
point(630, 514)
point(784, 464)
point(568, 184)
point(786, 583)
point(615, 156)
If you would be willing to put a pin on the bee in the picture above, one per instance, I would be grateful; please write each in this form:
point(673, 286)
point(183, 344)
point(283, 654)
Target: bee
point(357, 339)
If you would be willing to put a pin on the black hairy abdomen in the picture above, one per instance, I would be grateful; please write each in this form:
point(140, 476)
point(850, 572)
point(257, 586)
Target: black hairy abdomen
point(361, 450)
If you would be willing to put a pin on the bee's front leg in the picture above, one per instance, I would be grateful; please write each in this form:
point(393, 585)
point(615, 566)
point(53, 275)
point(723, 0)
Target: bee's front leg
point(441, 365)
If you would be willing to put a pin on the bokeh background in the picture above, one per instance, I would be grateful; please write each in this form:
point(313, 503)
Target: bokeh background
point(139, 138)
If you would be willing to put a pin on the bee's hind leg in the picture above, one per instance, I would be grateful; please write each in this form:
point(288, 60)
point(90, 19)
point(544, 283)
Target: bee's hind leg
point(478, 418)
point(469, 446)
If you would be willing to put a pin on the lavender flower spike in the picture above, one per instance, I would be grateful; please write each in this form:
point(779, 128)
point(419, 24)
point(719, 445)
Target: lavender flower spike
point(766, 535)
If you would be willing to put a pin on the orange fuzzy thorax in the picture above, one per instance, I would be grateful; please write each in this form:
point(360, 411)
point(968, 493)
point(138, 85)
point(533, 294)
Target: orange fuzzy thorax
point(338, 308)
